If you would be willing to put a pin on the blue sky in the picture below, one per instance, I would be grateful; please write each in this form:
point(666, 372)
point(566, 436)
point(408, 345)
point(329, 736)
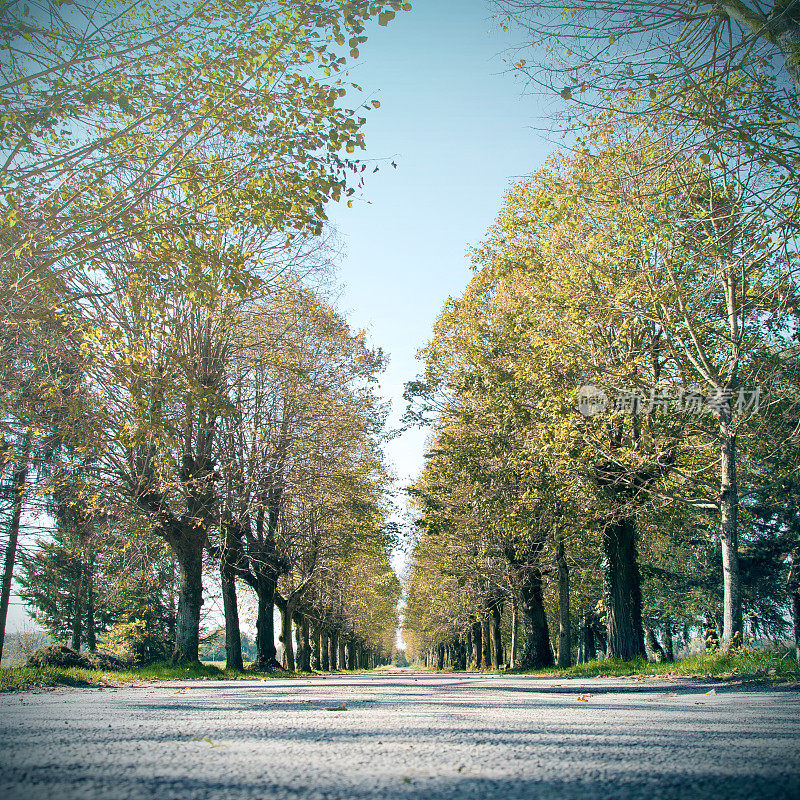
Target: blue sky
point(460, 130)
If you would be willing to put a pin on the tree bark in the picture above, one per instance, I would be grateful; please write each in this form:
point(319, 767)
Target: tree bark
point(587, 649)
point(233, 636)
point(564, 629)
point(286, 634)
point(793, 587)
point(669, 649)
point(497, 640)
point(623, 593)
point(536, 650)
point(316, 648)
point(333, 654)
point(325, 661)
point(77, 592)
point(341, 660)
point(477, 646)
point(305, 639)
point(513, 661)
point(486, 642)
point(18, 481)
point(729, 535)
point(266, 651)
point(190, 599)
point(91, 629)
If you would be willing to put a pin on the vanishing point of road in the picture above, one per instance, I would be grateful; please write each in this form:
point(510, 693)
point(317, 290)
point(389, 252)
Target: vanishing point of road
point(402, 735)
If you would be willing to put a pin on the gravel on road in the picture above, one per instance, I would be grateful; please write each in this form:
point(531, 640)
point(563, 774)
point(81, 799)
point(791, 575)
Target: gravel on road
point(400, 736)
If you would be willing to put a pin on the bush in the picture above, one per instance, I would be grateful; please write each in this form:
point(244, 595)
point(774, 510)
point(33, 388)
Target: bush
point(59, 655)
point(133, 641)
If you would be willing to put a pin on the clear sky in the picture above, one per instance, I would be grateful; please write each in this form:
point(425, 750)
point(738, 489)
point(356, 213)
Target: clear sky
point(460, 130)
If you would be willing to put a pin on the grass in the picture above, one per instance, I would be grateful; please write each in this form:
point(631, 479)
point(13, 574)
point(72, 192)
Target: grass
point(29, 677)
point(772, 666)
point(766, 666)
point(19, 678)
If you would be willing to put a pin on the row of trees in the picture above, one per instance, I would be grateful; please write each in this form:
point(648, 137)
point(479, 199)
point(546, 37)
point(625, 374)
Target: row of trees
point(176, 390)
point(656, 268)
point(620, 374)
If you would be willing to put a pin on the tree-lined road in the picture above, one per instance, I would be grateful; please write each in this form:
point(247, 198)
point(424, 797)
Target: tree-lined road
point(402, 735)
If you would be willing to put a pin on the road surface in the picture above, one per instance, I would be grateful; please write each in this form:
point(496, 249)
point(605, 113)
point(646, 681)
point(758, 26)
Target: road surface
point(403, 735)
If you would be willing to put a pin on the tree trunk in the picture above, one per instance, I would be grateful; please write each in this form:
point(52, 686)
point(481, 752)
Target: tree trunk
point(513, 660)
point(341, 660)
point(477, 646)
point(187, 541)
point(333, 654)
point(536, 650)
point(305, 639)
point(233, 637)
point(654, 645)
point(325, 662)
point(266, 651)
point(623, 593)
point(564, 631)
point(351, 655)
point(669, 650)
point(729, 535)
point(190, 599)
point(77, 608)
point(793, 587)
point(440, 657)
point(286, 634)
point(583, 635)
point(91, 629)
point(497, 640)
point(486, 642)
point(18, 481)
point(172, 617)
point(316, 648)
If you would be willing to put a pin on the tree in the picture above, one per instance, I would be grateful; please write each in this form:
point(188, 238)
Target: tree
point(108, 104)
point(299, 453)
point(728, 69)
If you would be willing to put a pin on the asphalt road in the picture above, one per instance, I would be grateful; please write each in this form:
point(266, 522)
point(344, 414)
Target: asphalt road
point(402, 735)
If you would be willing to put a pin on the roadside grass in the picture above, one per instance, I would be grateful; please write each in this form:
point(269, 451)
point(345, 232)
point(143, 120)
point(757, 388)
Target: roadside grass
point(765, 666)
point(18, 678)
point(12, 678)
point(774, 666)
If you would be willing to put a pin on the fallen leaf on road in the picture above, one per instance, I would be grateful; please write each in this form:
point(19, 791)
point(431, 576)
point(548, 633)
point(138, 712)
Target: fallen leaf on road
point(583, 698)
point(205, 739)
point(713, 691)
point(342, 707)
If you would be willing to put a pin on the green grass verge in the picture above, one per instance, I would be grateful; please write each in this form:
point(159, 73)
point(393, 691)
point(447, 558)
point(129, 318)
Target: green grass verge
point(29, 677)
point(17, 678)
point(763, 665)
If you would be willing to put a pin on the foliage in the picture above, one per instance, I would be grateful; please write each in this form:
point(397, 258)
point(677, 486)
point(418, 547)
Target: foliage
point(137, 641)
point(646, 278)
